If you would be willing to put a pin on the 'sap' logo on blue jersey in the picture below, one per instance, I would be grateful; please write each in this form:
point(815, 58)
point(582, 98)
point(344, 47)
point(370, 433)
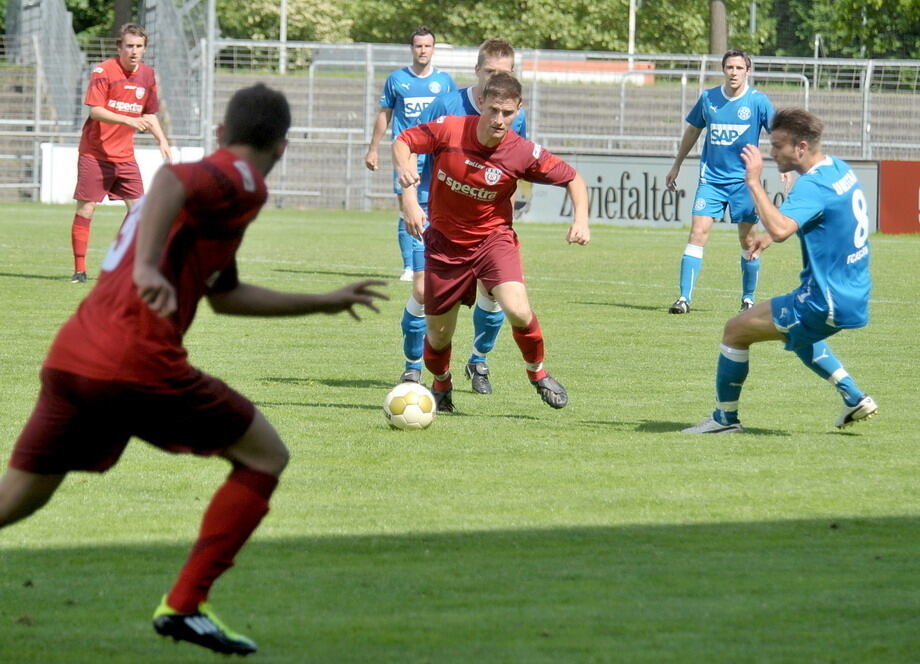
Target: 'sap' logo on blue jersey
point(413, 106)
point(726, 134)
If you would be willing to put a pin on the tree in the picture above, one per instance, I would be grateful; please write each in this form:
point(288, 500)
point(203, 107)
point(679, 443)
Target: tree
point(307, 20)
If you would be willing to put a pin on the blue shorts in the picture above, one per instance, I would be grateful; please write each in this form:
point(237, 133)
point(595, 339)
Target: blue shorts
point(397, 188)
point(802, 324)
point(418, 247)
point(711, 200)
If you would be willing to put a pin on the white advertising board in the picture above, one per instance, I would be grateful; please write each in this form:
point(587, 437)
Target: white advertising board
point(59, 169)
point(631, 191)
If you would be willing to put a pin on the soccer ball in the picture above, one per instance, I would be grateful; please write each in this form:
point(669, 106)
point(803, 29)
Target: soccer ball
point(409, 406)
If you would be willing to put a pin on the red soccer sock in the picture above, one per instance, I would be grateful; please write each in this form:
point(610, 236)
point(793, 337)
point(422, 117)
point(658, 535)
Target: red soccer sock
point(79, 239)
point(530, 340)
point(437, 361)
point(234, 513)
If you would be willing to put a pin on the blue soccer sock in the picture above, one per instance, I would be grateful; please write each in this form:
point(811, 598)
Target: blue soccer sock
point(819, 358)
point(487, 323)
point(405, 244)
point(413, 327)
point(750, 272)
point(690, 265)
point(731, 372)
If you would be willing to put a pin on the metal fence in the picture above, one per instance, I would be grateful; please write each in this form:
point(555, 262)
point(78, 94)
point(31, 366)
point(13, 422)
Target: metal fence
point(577, 102)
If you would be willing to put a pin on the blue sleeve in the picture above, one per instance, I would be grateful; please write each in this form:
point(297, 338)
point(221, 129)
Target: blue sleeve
point(520, 123)
point(450, 81)
point(767, 113)
point(696, 116)
point(433, 111)
point(388, 97)
point(805, 202)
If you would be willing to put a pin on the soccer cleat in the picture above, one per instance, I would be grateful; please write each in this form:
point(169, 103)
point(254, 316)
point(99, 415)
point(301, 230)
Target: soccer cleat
point(201, 627)
point(746, 304)
point(411, 376)
point(552, 393)
point(478, 373)
point(711, 425)
point(865, 409)
point(78, 278)
point(443, 400)
point(406, 275)
point(680, 306)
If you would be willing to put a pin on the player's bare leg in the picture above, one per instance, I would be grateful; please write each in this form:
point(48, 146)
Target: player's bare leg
point(437, 356)
point(235, 511)
point(512, 296)
point(23, 493)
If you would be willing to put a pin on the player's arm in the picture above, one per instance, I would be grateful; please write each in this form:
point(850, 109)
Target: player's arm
point(778, 226)
point(160, 135)
point(101, 114)
point(161, 206)
point(579, 233)
point(380, 127)
point(404, 161)
point(250, 300)
point(687, 141)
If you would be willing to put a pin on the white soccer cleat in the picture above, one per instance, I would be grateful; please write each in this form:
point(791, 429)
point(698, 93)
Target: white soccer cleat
point(406, 275)
point(865, 409)
point(711, 425)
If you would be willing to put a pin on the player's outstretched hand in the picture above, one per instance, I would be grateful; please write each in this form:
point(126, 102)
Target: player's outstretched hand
point(670, 180)
point(155, 290)
point(579, 233)
point(360, 292)
point(415, 219)
point(370, 159)
point(760, 242)
point(753, 162)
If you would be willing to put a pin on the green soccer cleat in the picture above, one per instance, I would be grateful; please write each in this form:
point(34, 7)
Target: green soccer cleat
point(201, 627)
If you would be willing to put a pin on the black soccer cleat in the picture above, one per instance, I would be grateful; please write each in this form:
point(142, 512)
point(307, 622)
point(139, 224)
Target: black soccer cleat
point(746, 303)
point(478, 373)
point(411, 376)
point(78, 278)
point(443, 400)
point(680, 306)
point(203, 628)
point(552, 393)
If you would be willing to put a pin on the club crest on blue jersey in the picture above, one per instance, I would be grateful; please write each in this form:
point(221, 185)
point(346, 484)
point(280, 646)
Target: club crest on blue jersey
point(744, 113)
point(434, 87)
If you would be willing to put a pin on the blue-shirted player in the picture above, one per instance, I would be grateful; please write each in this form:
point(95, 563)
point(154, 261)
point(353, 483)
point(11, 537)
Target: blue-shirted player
point(828, 210)
point(495, 55)
point(406, 94)
point(733, 115)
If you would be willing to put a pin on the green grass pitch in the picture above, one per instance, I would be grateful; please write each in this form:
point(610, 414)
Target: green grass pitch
point(507, 532)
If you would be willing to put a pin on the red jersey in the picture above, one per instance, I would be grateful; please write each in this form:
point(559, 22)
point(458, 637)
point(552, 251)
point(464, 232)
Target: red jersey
point(472, 186)
point(115, 336)
point(126, 93)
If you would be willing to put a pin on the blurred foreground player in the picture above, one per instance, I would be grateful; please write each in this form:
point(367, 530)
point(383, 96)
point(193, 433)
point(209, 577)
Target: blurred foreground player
point(478, 161)
point(118, 369)
point(828, 210)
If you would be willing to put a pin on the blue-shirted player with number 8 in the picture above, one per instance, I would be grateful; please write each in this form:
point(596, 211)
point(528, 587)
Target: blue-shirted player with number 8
point(828, 210)
point(733, 115)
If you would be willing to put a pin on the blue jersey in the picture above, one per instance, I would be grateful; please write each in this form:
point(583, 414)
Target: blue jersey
point(831, 210)
point(409, 95)
point(459, 102)
point(730, 125)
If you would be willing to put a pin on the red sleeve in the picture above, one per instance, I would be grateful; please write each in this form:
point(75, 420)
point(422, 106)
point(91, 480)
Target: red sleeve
point(547, 168)
point(97, 91)
point(423, 138)
point(153, 97)
point(208, 189)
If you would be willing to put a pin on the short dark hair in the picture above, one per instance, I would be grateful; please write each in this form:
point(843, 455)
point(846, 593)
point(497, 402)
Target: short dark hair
point(736, 53)
point(494, 48)
point(503, 85)
point(799, 124)
point(257, 116)
point(130, 29)
point(420, 31)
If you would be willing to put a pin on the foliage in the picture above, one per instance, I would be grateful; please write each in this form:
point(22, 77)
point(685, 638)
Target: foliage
point(91, 19)
point(307, 20)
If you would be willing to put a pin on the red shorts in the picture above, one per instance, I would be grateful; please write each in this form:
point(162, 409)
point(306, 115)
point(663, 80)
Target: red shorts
point(451, 270)
point(97, 179)
point(82, 423)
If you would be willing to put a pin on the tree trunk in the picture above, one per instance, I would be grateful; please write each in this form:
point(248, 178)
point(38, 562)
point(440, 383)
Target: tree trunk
point(718, 28)
point(124, 13)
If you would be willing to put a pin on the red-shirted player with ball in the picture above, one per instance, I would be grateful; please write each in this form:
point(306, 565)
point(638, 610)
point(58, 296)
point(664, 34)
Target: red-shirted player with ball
point(122, 99)
point(118, 369)
point(478, 162)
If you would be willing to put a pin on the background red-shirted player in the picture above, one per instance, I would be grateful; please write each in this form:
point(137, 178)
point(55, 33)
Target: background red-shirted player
point(478, 162)
point(118, 367)
point(122, 99)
